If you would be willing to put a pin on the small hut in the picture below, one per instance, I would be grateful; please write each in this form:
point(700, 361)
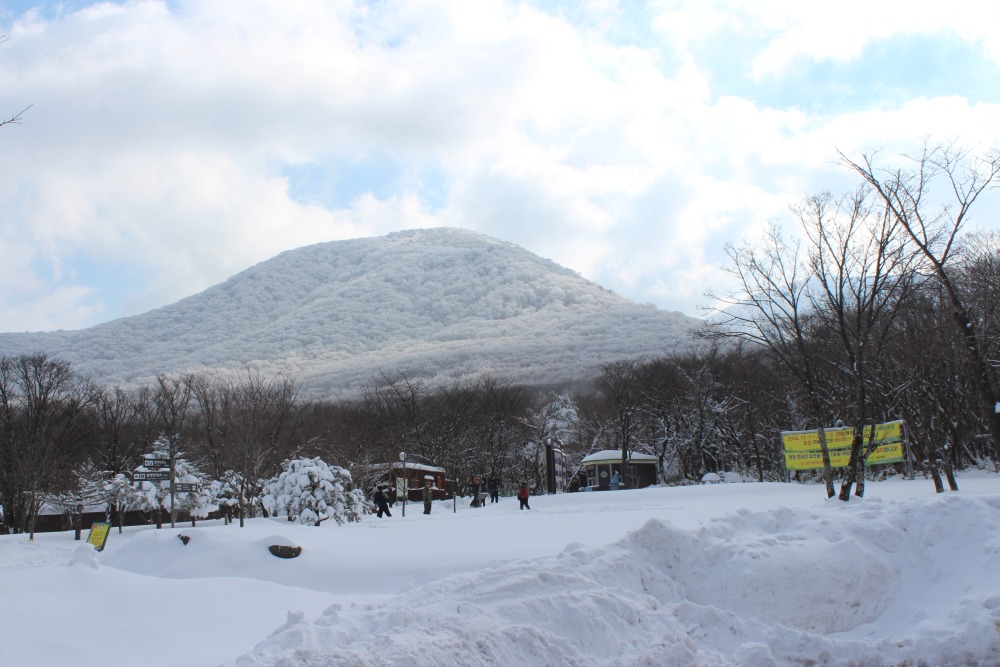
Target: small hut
point(604, 466)
point(408, 476)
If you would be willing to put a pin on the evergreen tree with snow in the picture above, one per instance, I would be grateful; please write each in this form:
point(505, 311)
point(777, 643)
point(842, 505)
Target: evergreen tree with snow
point(310, 491)
point(198, 503)
point(122, 497)
point(227, 495)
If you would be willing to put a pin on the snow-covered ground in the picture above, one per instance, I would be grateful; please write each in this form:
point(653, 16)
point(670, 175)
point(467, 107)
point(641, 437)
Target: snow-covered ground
point(728, 574)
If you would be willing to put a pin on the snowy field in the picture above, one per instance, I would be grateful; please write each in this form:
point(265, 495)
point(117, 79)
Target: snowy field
point(730, 574)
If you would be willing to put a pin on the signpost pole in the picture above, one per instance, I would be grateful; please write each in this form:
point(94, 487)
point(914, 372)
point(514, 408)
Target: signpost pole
point(406, 481)
point(173, 468)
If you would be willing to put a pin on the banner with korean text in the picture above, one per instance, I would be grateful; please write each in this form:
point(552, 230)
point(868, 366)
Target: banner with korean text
point(803, 452)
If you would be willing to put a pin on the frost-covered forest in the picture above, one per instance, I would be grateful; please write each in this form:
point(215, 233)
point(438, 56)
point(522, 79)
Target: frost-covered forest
point(876, 309)
point(444, 304)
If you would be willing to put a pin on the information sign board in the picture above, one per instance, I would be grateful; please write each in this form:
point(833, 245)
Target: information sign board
point(156, 463)
point(99, 534)
point(184, 487)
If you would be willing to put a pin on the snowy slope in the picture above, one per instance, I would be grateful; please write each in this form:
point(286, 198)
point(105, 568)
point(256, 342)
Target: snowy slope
point(441, 303)
point(747, 575)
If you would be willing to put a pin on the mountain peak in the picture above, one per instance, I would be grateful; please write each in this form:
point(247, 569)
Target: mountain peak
point(441, 303)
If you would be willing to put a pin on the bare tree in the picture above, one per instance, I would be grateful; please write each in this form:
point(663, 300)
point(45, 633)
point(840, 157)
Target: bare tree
point(619, 382)
point(248, 427)
point(862, 269)
point(398, 403)
point(119, 438)
point(770, 307)
point(909, 197)
point(42, 409)
point(16, 118)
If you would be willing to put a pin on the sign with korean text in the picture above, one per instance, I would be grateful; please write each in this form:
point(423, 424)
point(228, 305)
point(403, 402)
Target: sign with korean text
point(803, 452)
point(156, 463)
point(151, 476)
point(184, 487)
point(99, 534)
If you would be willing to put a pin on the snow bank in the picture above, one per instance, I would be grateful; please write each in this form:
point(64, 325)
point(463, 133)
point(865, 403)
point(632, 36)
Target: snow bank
point(748, 589)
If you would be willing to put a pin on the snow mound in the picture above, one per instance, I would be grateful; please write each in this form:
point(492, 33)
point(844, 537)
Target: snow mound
point(85, 556)
point(749, 589)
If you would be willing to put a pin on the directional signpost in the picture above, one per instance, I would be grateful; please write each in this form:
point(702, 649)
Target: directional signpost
point(160, 476)
point(151, 476)
point(182, 487)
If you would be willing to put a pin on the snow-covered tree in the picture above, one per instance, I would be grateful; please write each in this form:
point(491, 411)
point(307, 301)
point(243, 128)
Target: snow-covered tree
point(557, 424)
point(310, 491)
point(122, 497)
point(559, 419)
point(199, 503)
point(89, 489)
point(227, 494)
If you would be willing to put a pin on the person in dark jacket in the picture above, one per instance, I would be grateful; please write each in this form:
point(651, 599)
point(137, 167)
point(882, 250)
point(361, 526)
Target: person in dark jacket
point(428, 496)
point(494, 490)
point(522, 495)
point(381, 503)
point(477, 492)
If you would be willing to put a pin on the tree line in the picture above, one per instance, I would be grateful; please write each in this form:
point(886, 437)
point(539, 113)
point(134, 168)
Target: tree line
point(876, 307)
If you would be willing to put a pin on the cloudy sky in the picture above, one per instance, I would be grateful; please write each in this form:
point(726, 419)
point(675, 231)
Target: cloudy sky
point(172, 143)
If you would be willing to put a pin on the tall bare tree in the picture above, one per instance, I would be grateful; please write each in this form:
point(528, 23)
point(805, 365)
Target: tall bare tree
point(619, 383)
point(862, 272)
point(42, 410)
point(248, 429)
point(770, 306)
point(910, 195)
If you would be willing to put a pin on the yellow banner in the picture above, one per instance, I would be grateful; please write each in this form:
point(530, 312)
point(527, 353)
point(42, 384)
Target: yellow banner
point(838, 438)
point(99, 534)
point(802, 448)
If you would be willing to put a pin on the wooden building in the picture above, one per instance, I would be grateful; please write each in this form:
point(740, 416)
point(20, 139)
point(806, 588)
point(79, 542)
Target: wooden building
point(604, 467)
point(408, 476)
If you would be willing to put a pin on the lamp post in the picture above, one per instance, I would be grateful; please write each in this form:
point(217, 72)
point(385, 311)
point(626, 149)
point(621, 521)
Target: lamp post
point(406, 481)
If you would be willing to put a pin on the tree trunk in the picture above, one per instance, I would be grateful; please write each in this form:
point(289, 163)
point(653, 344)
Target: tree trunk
point(860, 490)
point(936, 476)
point(851, 472)
point(827, 470)
point(950, 474)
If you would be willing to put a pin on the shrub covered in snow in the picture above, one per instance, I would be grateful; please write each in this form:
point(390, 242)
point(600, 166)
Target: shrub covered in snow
point(310, 491)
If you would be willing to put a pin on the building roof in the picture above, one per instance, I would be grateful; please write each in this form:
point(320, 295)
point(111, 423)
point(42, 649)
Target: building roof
point(416, 467)
point(613, 455)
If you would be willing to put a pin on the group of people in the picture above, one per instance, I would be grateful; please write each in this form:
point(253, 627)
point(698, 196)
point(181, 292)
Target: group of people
point(479, 495)
point(382, 504)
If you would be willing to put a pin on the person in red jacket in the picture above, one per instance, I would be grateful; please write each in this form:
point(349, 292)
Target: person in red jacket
point(522, 495)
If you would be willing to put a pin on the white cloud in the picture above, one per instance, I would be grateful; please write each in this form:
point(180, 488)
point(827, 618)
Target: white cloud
point(159, 136)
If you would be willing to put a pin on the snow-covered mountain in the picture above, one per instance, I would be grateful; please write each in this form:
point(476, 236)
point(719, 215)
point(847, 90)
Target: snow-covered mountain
point(442, 304)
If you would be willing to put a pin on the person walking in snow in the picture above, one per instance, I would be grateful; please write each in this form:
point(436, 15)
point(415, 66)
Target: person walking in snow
point(494, 490)
point(381, 503)
point(477, 492)
point(522, 495)
point(428, 496)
